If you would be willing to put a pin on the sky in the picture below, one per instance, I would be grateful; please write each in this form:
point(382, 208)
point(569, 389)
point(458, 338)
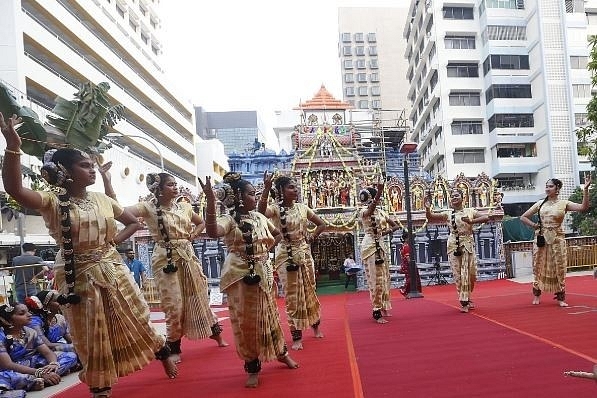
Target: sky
point(259, 55)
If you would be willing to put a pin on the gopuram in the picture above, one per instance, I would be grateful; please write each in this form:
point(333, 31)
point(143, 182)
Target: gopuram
point(329, 168)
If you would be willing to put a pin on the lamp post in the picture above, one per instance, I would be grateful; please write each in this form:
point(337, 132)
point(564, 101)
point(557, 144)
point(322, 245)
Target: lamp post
point(406, 148)
point(143, 138)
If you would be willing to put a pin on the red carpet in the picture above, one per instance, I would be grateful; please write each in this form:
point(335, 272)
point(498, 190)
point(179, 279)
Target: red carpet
point(506, 347)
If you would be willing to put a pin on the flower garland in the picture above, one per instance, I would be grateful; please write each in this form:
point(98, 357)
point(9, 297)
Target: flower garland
point(251, 278)
point(458, 251)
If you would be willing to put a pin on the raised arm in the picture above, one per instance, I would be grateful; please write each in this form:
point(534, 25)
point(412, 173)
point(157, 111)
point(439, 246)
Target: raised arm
point(371, 208)
point(106, 178)
point(11, 166)
point(584, 206)
point(212, 228)
point(267, 186)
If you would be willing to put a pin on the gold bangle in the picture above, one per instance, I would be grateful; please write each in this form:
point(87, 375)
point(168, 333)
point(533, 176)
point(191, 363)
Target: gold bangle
point(12, 152)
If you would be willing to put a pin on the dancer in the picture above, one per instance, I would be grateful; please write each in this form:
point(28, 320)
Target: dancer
point(405, 251)
point(549, 251)
point(26, 363)
point(108, 317)
point(461, 244)
point(293, 255)
point(178, 273)
point(375, 251)
point(247, 274)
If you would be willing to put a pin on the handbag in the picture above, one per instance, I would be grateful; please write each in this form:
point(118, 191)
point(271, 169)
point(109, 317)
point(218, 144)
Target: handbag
point(540, 239)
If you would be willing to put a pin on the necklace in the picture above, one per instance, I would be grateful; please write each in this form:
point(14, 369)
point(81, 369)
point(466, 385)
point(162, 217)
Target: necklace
point(20, 339)
point(83, 203)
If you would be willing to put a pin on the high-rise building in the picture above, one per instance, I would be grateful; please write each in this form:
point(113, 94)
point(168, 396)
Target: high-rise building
point(498, 87)
point(48, 48)
point(371, 51)
point(239, 131)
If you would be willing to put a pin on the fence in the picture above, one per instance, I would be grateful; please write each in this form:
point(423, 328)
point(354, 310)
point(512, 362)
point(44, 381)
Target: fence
point(582, 253)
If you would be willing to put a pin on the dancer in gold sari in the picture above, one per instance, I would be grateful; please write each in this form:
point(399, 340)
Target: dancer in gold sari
point(108, 317)
point(375, 251)
point(177, 270)
point(293, 255)
point(247, 274)
point(549, 251)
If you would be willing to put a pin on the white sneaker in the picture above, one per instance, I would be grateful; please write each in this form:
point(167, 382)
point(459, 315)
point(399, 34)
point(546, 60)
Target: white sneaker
point(563, 304)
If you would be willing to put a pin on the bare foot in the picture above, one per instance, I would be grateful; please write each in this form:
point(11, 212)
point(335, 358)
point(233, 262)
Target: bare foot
point(297, 345)
point(381, 320)
point(170, 368)
point(176, 358)
point(318, 334)
point(252, 381)
point(219, 340)
point(288, 361)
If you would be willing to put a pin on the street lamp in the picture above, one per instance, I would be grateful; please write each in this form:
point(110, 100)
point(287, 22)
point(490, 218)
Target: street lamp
point(406, 148)
point(116, 134)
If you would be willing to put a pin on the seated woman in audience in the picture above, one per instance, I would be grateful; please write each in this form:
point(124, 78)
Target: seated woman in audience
point(48, 322)
point(26, 363)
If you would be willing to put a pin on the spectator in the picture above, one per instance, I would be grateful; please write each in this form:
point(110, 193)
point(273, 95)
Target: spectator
point(25, 278)
point(136, 267)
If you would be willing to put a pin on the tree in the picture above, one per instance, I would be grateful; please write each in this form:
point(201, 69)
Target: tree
point(586, 223)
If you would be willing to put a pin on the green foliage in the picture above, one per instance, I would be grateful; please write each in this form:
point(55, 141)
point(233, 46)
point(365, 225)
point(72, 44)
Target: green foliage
point(31, 131)
point(80, 123)
point(584, 223)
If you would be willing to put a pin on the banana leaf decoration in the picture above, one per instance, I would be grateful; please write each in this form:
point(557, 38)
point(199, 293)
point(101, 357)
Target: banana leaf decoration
point(80, 123)
point(31, 131)
point(84, 121)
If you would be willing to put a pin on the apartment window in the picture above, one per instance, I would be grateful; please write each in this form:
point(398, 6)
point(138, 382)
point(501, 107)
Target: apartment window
point(497, 61)
point(359, 38)
point(362, 77)
point(363, 91)
point(155, 50)
point(374, 77)
point(516, 150)
point(349, 91)
point(348, 64)
point(360, 50)
point(575, 6)
point(153, 23)
point(120, 11)
point(511, 182)
point(508, 4)
point(345, 37)
point(373, 63)
point(462, 70)
point(133, 25)
point(511, 120)
point(465, 99)
point(459, 42)
point(458, 12)
point(144, 38)
point(363, 104)
point(376, 91)
point(432, 53)
point(579, 62)
point(465, 127)
point(469, 156)
point(373, 51)
point(504, 32)
point(348, 78)
point(142, 10)
point(581, 90)
point(371, 38)
point(580, 119)
point(376, 104)
point(507, 91)
point(361, 64)
point(347, 51)
point(433, 81)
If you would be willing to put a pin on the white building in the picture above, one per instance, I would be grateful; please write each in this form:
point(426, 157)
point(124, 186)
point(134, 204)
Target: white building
point(373, 69)
point(498, 86)
point(49, 47)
